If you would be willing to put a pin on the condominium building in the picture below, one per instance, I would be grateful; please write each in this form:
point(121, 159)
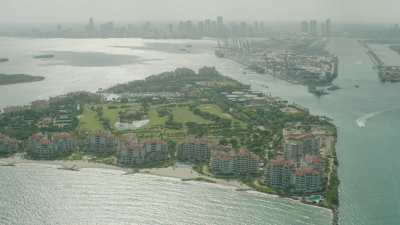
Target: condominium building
point(307, 180)
point(41, 147)
point(44, 146)
point(155, 149)
point(102, 142)
point(284, 174)
point(133, 153)
point(226, 161)
point(194, 150)
point(278, 173)
point(313, 161)
point(222, 163)
point(63, 143)
point(297, 143)
point(245, 162)
point(7, 145)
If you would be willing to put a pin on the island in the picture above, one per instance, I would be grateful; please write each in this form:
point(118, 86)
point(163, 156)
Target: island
point(298, 60)
point(6, 79)
point(2, 60)
point(223, 129)
point(44, 56)
point(386, 73)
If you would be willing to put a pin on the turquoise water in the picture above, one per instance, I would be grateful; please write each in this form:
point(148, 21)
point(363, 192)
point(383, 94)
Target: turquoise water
point(369, 156)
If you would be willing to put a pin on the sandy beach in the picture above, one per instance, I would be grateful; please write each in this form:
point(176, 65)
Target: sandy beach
point(179, 171)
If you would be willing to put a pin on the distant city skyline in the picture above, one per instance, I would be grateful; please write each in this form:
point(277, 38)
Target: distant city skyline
point(62, 11)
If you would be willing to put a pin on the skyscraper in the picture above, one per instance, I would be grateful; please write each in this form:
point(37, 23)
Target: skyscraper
point(313, 28)
point(304, 27)
point(328, 27)
point(220, 26)
point(220, 21)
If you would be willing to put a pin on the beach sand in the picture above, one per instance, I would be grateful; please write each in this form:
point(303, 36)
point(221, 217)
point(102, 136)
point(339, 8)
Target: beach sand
point(179, 171)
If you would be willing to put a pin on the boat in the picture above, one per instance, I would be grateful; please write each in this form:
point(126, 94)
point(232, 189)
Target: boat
point(9, 164)
point(316, 91)
point(45, 56)
point(3, 60)
point(70, 168)
point(333, 88)
point(131, 172)
point(357, 86)
point(243, 189)
point(257, 68)
point(219, 53)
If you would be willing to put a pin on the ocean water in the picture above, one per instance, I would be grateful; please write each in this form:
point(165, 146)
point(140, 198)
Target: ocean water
point(368, 121)
point(43, 195)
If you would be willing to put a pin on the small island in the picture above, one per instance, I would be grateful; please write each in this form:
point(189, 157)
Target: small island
point(6, 79)
point(2, 60)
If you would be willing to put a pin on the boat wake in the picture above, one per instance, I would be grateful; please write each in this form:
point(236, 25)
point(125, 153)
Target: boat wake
point(362, 121)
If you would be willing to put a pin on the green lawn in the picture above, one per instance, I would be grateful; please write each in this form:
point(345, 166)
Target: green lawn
point(89, 120)
point(183, 115)
point(155, 120)
point(216, 110)
point(113, 114)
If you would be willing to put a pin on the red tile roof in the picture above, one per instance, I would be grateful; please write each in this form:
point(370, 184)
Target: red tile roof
point(224, 156)
point(306, 171)
point(243, 152)
point(154, 141)
point(281, 162)
point(63, 135)
point(312, 159)
point(296, 137)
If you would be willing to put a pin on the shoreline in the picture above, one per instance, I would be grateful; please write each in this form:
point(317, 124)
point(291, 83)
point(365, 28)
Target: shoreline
point(181, 171)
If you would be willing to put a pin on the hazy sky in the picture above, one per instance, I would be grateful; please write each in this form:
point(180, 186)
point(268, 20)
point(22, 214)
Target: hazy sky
point(149, 10)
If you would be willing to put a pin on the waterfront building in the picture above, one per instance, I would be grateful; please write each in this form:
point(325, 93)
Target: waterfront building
point(63, 143)
point(307, 180)
point(194, 150)
point(226, 161)
point(102, 142)
point(7, 145)
point(222, 163)
point(279, 173)
point(245, 162)
point(155, 149)
point(44, 146)
point(133, 153)
point(313, 161)
point(40, 146)
point(297, 143)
